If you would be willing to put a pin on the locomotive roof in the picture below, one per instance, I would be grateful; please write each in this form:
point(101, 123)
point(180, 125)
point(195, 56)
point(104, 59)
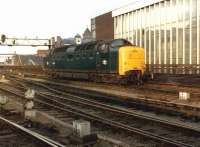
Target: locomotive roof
point(90, 45)
point(115, 42)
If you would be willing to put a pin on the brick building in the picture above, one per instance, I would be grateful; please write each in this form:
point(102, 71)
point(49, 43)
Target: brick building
point(102, 27)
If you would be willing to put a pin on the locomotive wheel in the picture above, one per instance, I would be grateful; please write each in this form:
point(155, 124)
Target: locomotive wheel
point(123, 81)
point(139, 79)
point(97, 79)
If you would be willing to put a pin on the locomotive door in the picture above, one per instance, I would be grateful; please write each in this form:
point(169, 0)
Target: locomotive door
point(98, 69)
point(102, 58)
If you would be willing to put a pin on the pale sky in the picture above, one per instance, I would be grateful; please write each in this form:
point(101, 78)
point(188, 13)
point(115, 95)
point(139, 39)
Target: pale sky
point(47, 18)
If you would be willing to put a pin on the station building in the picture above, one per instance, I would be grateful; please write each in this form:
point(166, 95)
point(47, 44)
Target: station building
point(169, 31)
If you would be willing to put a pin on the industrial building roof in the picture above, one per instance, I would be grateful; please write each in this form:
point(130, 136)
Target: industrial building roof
point(133, 6)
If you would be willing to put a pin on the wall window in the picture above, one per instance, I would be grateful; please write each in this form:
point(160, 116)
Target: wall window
point(147, 34)
point(199, 31)
point(134, 27)
point(194, 31)
point(162, 32)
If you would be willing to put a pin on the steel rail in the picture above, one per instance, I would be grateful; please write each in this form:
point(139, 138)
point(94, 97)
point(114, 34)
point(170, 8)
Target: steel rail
point(73, 110)
point(140, 99)
point(93, 117)
point(118, 110)
point(93, 103)
point(30, 133)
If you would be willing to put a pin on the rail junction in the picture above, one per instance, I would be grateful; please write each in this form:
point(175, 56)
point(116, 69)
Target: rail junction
point(144, 120)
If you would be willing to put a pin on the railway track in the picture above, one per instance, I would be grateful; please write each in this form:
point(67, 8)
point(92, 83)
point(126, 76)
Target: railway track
point(171, 88)
point(157, 90)
point(59, 111)
point(13, 134)
point(149, 127)
point(141, 102)
point(187, 81)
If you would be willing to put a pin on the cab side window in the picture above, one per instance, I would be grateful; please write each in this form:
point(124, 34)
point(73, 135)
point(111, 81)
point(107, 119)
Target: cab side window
point(104, 48)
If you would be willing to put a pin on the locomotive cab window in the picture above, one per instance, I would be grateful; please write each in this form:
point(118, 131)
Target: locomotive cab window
point(104, 48)
point(120, 42)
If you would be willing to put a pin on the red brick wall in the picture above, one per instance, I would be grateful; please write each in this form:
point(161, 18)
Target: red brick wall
point(104, 27)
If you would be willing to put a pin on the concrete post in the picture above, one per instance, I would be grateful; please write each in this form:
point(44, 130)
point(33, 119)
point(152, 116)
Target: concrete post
point(3, 101)
point(82, 135)
point(29, 112)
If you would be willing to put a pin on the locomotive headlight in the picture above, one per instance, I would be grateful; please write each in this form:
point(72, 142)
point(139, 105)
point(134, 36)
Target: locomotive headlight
point(47, 63)
point(104, 62)
point(53, 63)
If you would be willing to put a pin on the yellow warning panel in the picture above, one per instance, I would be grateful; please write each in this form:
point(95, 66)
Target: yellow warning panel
point(131, 58)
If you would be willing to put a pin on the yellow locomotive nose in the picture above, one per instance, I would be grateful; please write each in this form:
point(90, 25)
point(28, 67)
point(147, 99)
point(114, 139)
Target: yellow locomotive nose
point(130, 58)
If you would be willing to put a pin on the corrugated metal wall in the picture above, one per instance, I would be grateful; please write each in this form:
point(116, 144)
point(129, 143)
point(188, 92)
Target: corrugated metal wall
point(170, 33)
